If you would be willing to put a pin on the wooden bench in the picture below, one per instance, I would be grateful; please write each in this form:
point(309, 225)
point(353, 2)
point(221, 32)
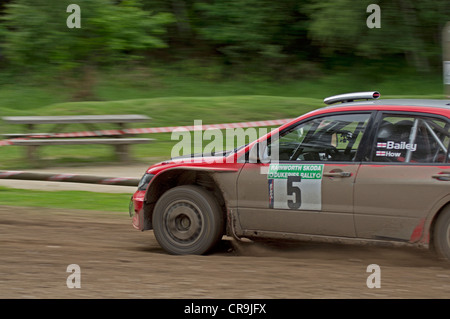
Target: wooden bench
point(87, 120)
point(121, 145)
point(121, 142)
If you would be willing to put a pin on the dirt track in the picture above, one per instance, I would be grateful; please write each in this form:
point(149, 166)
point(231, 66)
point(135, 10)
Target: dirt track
point(116, 261)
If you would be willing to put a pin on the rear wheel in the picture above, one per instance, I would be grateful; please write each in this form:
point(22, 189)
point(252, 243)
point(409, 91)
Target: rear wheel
point(187, 220)
point(441, 237)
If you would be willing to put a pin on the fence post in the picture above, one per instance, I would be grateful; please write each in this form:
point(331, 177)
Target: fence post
point(446, 58)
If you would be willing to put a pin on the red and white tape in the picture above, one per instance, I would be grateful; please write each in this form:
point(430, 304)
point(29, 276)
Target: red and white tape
point(169, 129)
point(150, 130)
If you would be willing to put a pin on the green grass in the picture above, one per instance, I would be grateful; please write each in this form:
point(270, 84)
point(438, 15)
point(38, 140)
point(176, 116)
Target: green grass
point(32, 92)
point(65, 199)
point(172, 98)
point(168, 111)
point(164, 111)
point(200, 80)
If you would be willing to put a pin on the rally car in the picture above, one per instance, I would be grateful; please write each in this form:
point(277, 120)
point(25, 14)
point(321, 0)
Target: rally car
point(362, 169)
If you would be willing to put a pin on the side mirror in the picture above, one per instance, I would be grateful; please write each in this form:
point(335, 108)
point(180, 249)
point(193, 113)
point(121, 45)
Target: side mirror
point(258, 153)
point(253, 154)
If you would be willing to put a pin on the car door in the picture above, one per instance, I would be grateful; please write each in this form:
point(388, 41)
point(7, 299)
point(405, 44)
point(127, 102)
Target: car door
point(306, 184)
point(406, 174)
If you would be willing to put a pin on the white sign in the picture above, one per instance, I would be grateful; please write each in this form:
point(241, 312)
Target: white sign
point(295, 186)
point(447, 72)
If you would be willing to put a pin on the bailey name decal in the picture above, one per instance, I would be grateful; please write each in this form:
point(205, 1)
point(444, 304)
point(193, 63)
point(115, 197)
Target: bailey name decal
point(390, 145)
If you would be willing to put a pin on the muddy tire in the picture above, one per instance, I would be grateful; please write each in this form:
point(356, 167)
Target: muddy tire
point(187, 220)
point(441, 235)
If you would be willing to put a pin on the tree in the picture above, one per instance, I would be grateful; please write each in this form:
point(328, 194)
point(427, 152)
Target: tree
point(35, 35)
point(409, 28)
point(181, 32)
point(241, 30)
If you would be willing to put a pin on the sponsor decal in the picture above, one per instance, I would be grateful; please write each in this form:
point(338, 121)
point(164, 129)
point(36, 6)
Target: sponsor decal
point(391, 145)
point(283, 171)
point(271, 193)
point(388, 154)
point(295, 186)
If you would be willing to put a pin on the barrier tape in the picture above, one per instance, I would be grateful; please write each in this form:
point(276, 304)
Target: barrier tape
point(150, 130)
point(69, 178)
point(169, 129)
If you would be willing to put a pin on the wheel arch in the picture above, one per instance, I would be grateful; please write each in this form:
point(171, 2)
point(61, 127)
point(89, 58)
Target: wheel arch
point(445, 207)
point(171, 178)
point(442, 206)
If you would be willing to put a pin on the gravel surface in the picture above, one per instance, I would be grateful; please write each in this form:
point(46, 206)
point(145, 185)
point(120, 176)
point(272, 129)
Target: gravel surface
point(116, 261)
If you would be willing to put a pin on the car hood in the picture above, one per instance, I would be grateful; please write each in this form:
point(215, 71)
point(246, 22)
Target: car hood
point(202, 156)
point(216, 161)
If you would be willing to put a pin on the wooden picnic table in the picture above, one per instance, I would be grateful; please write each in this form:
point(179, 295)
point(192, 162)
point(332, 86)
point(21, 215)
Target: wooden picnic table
point(60, 121)
point(120, 142)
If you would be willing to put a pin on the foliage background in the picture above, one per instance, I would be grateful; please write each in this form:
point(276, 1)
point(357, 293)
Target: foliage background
point(275, 40)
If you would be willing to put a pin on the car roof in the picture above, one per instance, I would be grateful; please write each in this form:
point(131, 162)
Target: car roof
point(445, 104)
point(435, 106)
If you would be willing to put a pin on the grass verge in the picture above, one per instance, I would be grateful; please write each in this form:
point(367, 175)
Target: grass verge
point(170, 111)
point(65, 199)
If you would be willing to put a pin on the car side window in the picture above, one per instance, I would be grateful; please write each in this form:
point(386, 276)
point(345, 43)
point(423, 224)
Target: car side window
point(329, 138)
point(412, 139)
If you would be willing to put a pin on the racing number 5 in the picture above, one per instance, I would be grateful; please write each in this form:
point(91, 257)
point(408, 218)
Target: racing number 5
point(291, 190)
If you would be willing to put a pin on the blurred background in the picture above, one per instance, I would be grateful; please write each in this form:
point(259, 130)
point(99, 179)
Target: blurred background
point(216, 60)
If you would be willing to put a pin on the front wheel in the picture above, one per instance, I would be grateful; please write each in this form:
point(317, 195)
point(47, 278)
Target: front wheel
point(441, 237)
point(187, 220)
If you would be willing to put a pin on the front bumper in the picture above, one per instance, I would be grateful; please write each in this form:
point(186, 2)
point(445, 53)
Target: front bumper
point(135, 209)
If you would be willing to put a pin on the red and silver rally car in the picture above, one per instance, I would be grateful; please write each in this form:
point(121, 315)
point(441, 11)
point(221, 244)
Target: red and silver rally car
point(362, 169)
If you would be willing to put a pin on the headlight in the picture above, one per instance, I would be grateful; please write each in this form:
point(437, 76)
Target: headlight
point(145, 180)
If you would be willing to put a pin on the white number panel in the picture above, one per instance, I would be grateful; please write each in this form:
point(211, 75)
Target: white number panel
point(294, 186)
